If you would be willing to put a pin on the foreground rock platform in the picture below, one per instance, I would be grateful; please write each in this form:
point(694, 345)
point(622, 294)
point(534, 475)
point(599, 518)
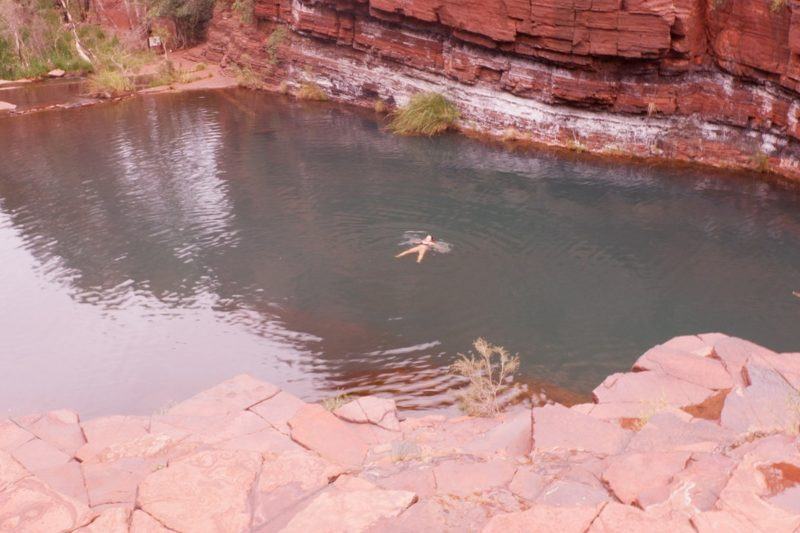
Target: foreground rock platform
point(701, 436)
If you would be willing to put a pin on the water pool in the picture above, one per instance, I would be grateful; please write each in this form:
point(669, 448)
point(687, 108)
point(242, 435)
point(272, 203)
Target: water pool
point(153, 247)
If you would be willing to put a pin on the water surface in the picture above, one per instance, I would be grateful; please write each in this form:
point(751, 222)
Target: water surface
point(153, 247)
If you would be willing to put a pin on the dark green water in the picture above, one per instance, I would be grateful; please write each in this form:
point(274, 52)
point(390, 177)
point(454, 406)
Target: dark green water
point(154, 247)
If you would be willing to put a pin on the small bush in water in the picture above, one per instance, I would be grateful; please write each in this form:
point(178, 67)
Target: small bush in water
point(489, 374)
point(425, 114)
point(311, 91)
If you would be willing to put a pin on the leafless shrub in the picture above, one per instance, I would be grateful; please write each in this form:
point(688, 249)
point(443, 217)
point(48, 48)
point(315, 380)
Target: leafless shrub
point(488, 373)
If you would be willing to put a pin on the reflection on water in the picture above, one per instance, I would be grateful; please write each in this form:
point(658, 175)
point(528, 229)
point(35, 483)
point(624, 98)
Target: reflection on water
point(156, 246)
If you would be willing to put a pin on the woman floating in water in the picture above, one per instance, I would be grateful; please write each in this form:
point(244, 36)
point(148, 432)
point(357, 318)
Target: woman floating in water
point(423, 246)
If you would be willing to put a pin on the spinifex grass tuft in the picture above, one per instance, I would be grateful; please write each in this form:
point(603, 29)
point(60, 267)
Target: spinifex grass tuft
point(425, 114)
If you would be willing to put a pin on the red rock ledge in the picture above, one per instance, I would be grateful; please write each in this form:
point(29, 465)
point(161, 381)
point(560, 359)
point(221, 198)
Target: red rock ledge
point(701, 436)
point(710, 81)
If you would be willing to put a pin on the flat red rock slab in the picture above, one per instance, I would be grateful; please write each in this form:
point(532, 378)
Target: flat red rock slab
point(545, 519)
point(12, 436)
point(734, 354)
point(278, 410)
point(11, 471)
point(102, 433)
point(315, 428)
point(742, 497)
point(512, 437)
point(142, 522)
point(696, 368)
point(618, 518)
point(66, 479)
point(38, 455)
point(650, 387)
point(371, 410)
point(207, 491)
point(355, 508)
point(669, 432)
point(418, 479)
point(60, 428)
point(767, 404)
point(632, 474)
point(235, 394)
point(556, 428)
point(111, 520)
point(117, 481)
point(463, 478)
point(29, 505)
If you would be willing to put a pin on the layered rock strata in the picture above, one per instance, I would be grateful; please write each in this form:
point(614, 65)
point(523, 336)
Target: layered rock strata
point(701, 436)
point(711, 81)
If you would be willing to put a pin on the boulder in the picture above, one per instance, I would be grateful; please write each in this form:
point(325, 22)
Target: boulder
point(66, 479)
point(734, 354)
point(573, 493)
point(7, 107)
point(557, 428)
point(56, 73)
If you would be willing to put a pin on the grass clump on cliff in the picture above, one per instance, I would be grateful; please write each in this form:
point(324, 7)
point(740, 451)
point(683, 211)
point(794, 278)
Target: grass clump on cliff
point(248, 78)
point(169, 74)
point(311, 91)
point(425, 114)
point(275, 40)
point(488, 374)
point(110, 83)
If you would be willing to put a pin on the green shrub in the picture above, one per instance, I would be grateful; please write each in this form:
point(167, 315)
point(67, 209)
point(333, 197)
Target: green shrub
point(488, 375)
point(425, 114)
point(110, 83)
point(311, 91)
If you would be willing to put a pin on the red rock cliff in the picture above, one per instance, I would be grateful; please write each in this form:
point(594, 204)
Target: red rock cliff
point(714, 81)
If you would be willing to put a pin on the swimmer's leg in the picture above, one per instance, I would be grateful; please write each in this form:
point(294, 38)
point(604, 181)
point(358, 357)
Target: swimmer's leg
point(408, 252)
point(422, 251)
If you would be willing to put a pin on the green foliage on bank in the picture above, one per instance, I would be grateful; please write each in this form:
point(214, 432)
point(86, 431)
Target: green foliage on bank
point(34, 40)
point(191, 17)
point(425, 114)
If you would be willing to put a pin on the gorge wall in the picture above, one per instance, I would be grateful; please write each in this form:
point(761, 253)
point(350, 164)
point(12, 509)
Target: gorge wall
point(711, 81)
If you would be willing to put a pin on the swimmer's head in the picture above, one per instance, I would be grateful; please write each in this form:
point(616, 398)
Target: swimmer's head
point(428, 239)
